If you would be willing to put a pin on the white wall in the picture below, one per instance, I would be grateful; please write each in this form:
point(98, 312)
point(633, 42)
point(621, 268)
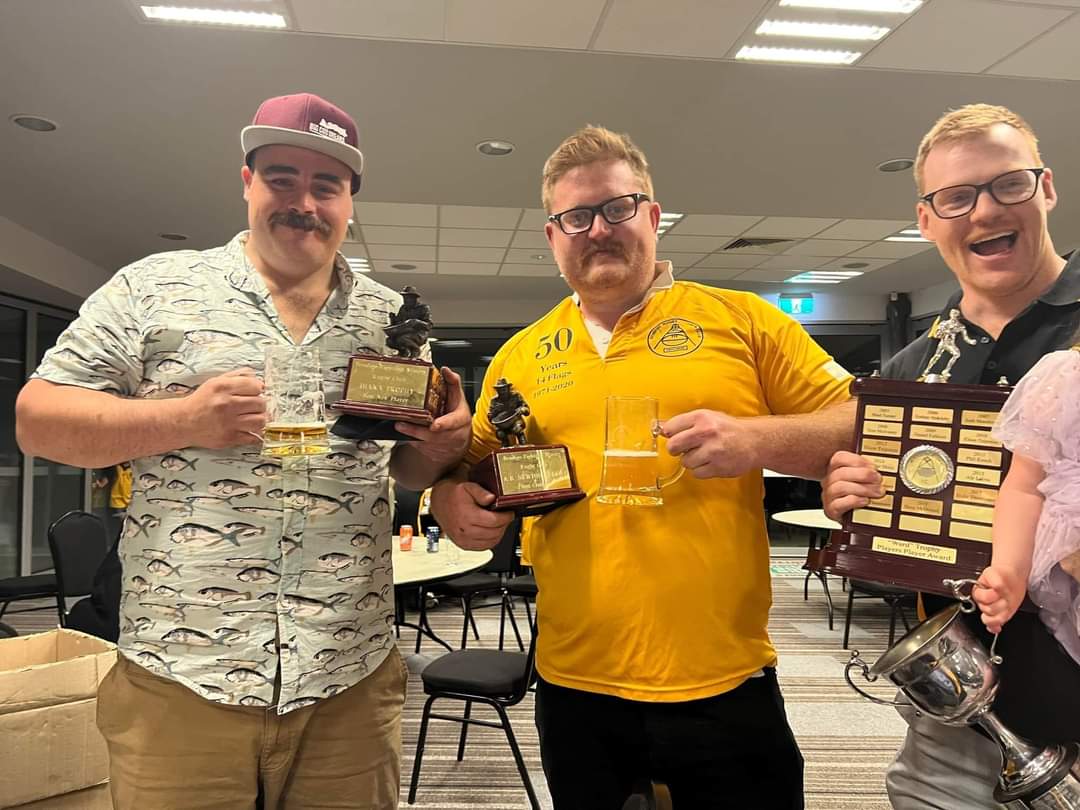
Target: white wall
point(31, 255)
point(835, 307)
point(931, 300)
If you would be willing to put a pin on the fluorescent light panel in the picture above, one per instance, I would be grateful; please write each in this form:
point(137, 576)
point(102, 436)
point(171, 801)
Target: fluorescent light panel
point(359, 265)
point(905, 239)
point(215, 16)
point(875, 6)
point(805, 55)
point(815, 30)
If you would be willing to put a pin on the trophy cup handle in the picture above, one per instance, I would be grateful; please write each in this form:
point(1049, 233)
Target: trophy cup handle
point(857, 663)
point(957, 587)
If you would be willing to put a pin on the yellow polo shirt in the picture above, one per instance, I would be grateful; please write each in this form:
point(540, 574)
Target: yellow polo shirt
point(667, 603)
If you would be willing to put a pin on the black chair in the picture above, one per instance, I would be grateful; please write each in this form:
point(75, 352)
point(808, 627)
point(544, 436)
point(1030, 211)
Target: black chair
point(496, 678)
point(20, 589)
point(490, 580)
point(524, 585)
point(79, 544)
point(895, 598)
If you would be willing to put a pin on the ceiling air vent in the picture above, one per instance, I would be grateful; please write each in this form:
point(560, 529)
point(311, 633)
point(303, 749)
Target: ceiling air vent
point(740, 243)
point(353, 234)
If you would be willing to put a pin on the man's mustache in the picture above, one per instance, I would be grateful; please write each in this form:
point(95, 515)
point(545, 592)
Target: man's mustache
point(613, 249)
point(303, 222)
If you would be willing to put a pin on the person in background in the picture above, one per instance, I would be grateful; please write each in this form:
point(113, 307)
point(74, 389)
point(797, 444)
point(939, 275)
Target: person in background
point(984, 196)
point(630, 686)
point(257, 658)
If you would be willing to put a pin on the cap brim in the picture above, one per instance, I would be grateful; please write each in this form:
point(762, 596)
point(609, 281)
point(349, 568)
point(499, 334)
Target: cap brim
point(252, 137)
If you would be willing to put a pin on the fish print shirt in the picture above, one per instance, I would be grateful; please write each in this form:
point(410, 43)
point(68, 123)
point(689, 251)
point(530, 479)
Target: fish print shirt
point(233, 564)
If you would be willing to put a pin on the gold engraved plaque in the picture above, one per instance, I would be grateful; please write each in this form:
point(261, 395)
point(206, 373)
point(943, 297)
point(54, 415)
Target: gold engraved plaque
point(871, 517)
point(891, 448)
point(384, 383)
point(978, 437)
point(977, 475)
point(886, 412)
point(988, 458)
point(923, 525)
point(941, 416)
point(884, 464)
point(970, 531)
point(978, 418)
point(926, 469)
point(889, 483)
point(975, 494)
point(919, 551)
point(931, 433)
point(922, 506)
point(885, 502)
point(533, 470)
point(978, 514)
point(874, 428)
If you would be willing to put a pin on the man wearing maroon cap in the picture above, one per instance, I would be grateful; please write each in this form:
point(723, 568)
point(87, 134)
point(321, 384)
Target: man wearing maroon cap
point(257, 659)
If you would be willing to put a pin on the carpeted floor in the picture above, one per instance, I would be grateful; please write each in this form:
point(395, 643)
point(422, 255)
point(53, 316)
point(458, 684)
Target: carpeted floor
point(846, 741)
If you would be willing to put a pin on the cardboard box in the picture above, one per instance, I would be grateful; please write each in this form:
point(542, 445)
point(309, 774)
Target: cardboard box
point(49, 741)
point(95, 798)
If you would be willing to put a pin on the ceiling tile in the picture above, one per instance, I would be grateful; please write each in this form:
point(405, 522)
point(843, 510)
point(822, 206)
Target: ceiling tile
point(691, 244)
point(537, 269)
point(871, 264)
point(467, 269)
point(789, 227)
point(824, 247)
point(530, 239)
point(422, 253)
point(961, 36)
point(398, 19)
point(551, 24)
point(519, 256)
point(354, 250)
point(534, 219)
point(865, 229)
point(471, 254)
point(732, 260)
point(792, 263)
point(891, 250)
point(475, 216)
point(708, 274)
point(1051, 56)
point(381, 213)
point(421, 268)
point(392, 235)
point(474, 237)
point(766, 275)
point(714, 224)
point(703, 28)
point(683, 259)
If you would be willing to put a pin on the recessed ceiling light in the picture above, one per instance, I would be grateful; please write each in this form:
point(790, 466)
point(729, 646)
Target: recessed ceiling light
point(215, 16)
point(454, 344)
point(539, 256)
point(905, 239)
point(34, 123)
point(805, 55)
point(910, 232)
point(494, 148)
point(359, 265)
point(173, 237)
point(856, 265)
point(403, 266)
point(816, 30)
point(884, 6)
point(895, 165)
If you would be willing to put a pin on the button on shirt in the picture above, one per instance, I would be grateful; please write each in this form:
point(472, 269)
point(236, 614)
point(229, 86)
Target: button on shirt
point(234, 565)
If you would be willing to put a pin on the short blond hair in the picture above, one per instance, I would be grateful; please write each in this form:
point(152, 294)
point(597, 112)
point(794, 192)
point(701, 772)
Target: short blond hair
point(971, 121)
point(592, 144)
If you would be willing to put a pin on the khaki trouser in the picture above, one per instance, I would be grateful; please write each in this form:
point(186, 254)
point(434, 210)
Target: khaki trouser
point(170, 749)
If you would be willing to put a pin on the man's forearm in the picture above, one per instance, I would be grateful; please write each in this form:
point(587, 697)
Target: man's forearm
point(802, 444)
point(85, 428)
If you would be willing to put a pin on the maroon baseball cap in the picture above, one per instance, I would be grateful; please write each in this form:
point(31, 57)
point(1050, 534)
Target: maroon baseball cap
point(307, 121)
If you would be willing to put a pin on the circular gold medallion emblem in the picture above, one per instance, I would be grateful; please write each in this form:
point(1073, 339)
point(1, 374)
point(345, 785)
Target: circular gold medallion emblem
point(926, 469)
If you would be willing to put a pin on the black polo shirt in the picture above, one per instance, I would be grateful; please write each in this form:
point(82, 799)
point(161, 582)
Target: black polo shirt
point(1039, 695)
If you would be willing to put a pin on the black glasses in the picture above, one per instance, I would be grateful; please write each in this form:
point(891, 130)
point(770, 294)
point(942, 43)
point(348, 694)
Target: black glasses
point(614, 211)
point(1011, 188)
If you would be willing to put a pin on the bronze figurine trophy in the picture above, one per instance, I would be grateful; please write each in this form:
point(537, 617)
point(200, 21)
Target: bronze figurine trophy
point(528, 478)
point(381, 390)
point(941, 467)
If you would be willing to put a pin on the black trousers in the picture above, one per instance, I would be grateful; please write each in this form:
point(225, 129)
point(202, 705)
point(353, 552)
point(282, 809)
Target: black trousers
point(735, 750)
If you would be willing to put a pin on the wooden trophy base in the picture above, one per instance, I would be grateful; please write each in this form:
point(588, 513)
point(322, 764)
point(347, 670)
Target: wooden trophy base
point(528, 479)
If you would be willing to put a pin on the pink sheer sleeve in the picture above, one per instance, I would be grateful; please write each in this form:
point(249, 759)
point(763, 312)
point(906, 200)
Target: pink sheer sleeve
point(1041, 418)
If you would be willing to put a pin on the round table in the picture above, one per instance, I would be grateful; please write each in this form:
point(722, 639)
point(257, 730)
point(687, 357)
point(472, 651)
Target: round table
point(417, 568)
point(819, 525)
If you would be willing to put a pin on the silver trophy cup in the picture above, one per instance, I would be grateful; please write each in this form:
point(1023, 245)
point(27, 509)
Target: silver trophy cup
point(949, 675)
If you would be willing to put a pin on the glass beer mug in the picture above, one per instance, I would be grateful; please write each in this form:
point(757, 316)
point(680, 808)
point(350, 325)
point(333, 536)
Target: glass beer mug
point(295, 409)
point(631, 475)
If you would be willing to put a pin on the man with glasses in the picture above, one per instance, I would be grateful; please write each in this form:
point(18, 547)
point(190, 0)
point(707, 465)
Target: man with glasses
point(985, 196)
point(653, 654)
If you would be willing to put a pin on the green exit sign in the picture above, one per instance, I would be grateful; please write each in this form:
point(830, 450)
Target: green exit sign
point(796, 304)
